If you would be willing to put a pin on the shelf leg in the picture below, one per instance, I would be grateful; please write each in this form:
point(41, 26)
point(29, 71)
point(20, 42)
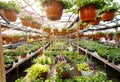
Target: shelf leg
point(90, 57)
point(105, 66)
point(17, 69)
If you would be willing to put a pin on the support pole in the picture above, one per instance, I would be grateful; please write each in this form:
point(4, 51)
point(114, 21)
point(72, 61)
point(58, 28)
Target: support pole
point(2, 67)
point(116, 38)
point(77, 39)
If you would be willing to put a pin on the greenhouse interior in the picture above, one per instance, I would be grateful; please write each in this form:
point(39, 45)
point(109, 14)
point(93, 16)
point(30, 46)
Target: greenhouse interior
point(59, 40)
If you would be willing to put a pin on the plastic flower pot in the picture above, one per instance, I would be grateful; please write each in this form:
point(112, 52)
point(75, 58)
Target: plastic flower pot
point(53, 10)
point(10, 14)
point(24, 56)
point(87, 73)
point(107, 16)
point(88, 14)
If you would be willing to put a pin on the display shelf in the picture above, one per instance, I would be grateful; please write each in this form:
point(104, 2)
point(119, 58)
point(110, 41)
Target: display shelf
point(92, 54)
point(27, 58)
point(13, 45)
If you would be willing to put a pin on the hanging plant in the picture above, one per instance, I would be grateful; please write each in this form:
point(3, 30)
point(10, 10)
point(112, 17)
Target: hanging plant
point(35, 24)
point(99, 35)
point(11, 9)
point(55, 31)
point(26, 20)
point(47, 29)
point(71, 30)
point(64, 31)
point(88, 9)
point(82, 25)
point(108, 11)
point(96, 22)
point(54, 8)
point(110, 35)
point(118, 34)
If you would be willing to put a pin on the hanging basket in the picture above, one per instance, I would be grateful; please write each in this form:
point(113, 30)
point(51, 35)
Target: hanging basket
point(15, 39)
point(47, 30)
point(83, 26)
point(59, 33)
point(80, 27)
point(64, 32)
point(33, 24)
point(96, 22)
point(10, 14)
point(25, 22)
point(53, 10)
point(110, 36)
point(107, 16)
point(38, 26)
point(100, 35)
point(71, 31)
point(118, 35)
point(88, 14)
point(55, 31)
point(7, 40)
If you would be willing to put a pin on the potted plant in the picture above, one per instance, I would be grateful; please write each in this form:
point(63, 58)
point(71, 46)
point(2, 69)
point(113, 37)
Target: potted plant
point(99, 35)
point(96, 22)
point(99, 77)
point(88, 9)
point(22, 51)
point(43, 60)
point(8, 61)
point(35, 24)
point(55, 31)
point(108, 11)
point(54, 8)
point(85, 69)
point(81, 25)
point(38, 25)
point(118, 34)
point(15, 37)
point(64, 31)
point(71, 30)
point(12, 53)
point(11, 9)
point(37, 70)
point(110, 35)
point(62, 69)
point(23, 54)
point(26, 19)
point(21, 79)
point(47, 29)
point(7, 39)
